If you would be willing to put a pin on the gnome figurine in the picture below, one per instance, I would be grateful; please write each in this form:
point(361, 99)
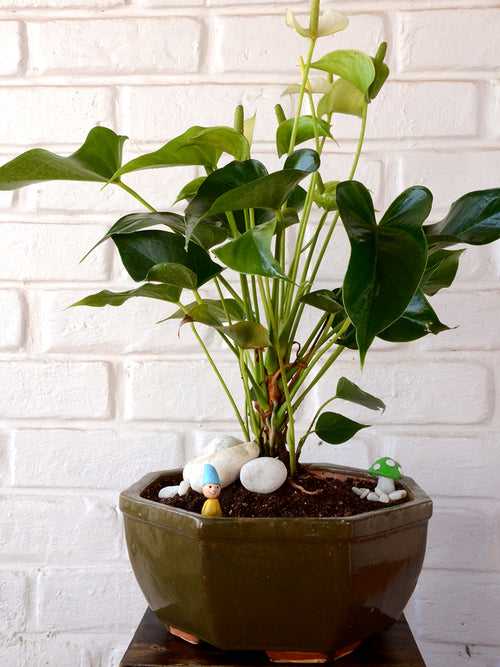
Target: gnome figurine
point(211, 490)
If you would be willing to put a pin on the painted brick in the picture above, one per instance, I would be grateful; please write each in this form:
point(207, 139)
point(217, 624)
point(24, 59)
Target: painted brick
point(413, 391)
point(53, 252)
point(5, 460)
point(458, 526)
point(10, 39)
point(13, 601)
point(47, 532)
point(100, 601)
point(52, 114)
point(473, 313)
point(435, 40)
point(168, 46)
point(60, 4)
point(193, 391)
point(237, 48)
point(159, 113)
point(101, 459)
point(468, 461)
point(418, 110)
point(65, 390)
point(449, 175)
point(131, 328)
point(469, 601)
point(356, 454)
point(12, 332)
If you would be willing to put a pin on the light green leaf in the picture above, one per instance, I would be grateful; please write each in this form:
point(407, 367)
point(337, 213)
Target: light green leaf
point(190, 189)
point(168, 293)
point(211, 312)
point(251, 252)
point(343, 97)
point(173, 274)
point(305, 132)
point(248, 335)
point(353, 66)
point(96, 160)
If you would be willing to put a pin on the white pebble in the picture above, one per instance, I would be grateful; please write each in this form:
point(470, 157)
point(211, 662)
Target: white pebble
point(184, 487)
point(221, 442)
point(227, 462)
point(168, 491)
point(263, 475)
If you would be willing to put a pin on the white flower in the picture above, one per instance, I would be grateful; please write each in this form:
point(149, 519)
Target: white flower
point(329, 23)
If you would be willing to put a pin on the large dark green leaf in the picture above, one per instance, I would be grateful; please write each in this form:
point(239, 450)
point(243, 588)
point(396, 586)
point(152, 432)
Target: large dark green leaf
point(441, 269)
point(96, 160)
point(251, 252)
point(343, 97)
point(305, 159)
point(248, 335)
point(323, 299)
point(336, 429)
point(197, 146)
point(305, 132)
point(107, 298)
point(353, 66)
point(268, 192)
point(387, 261)
point(348, 391)
point(216, 184)
point(141, 251)
point(473, 219)
point(418, 320)
point(211, 312)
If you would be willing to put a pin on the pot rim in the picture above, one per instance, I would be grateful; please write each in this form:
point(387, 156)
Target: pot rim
point(386, 519)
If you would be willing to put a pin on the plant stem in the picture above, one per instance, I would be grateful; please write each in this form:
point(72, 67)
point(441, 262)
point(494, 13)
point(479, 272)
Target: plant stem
point(305, 76)
point(135, 195)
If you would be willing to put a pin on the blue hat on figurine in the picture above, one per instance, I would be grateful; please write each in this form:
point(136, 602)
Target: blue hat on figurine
point(210, 475)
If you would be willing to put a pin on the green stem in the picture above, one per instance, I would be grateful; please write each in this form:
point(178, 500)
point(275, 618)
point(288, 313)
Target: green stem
point(303, 86)
point(135, 195)
point(330, 361)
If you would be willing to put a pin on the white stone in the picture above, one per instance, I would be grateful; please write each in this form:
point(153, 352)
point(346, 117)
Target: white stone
point(263, 475)
point(228, 463)
point(220, 443)
point(168, 491)
point(184, 487)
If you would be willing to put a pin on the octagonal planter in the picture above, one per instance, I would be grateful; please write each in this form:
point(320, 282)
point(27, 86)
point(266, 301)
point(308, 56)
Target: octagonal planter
point(283, 584)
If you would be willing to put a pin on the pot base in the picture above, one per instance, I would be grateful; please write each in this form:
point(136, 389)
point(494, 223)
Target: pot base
point(186, 636)
point(310, 657)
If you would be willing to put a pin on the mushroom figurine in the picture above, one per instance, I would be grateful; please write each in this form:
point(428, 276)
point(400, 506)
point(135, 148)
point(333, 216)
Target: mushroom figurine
point(211, 489)
point(387, 471)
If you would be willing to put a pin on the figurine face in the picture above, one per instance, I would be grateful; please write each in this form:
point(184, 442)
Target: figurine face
point(211, 490)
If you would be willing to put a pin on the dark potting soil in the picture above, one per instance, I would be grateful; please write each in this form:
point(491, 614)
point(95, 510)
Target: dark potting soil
point(312, 493)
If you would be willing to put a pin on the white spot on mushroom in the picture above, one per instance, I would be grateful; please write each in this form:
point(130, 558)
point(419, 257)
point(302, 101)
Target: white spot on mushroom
point(376, 466)
point(391, 463)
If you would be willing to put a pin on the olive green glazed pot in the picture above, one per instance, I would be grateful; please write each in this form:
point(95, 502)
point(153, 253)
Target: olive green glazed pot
point(289, 584)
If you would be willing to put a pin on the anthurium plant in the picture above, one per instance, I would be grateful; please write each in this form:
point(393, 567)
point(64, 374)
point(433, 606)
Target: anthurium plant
point(233, 235)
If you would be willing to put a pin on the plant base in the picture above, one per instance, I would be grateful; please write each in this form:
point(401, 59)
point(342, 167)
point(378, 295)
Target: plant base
point(186, 636)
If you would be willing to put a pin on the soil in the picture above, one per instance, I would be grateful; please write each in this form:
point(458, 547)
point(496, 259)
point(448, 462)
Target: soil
point(312, 493)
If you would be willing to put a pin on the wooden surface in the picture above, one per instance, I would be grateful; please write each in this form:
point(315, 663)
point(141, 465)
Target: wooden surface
point(153, 646)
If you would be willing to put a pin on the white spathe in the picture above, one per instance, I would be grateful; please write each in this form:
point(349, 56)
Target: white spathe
point(263, 475)
point(228, 463)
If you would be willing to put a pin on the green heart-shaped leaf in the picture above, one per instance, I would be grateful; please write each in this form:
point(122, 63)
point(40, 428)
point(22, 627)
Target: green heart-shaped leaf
point(211, 312)
point(106, 298)
point(216, 184)
point(251, 252)
point(248, 335)
point(141, 251)
point(343, 97)
point(441, 269)
point(387, 261)
point(268, 192)
point(197, 146)
point(96, 160)
point(173, 274)
point(348, 391)
point(190, 190)
point(418, 320)
point(305, 159)
point(472, 219)
point(323, 299)
point(305, 131)
point(336, 429)
point(353, 66)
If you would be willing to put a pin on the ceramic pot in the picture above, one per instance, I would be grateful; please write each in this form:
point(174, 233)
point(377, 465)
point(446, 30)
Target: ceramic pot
point(291, 584)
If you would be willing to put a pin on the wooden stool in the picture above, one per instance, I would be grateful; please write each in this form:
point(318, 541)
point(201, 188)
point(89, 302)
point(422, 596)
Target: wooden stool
point(153, 646)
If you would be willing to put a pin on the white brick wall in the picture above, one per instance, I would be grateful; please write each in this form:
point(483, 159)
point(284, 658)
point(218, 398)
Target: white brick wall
point(92, 399)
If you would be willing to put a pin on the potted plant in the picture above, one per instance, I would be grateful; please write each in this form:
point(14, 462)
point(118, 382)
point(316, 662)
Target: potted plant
point(321, 580)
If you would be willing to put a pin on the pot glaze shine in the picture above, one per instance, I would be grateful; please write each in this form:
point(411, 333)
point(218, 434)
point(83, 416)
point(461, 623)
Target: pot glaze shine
point(294, 584)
